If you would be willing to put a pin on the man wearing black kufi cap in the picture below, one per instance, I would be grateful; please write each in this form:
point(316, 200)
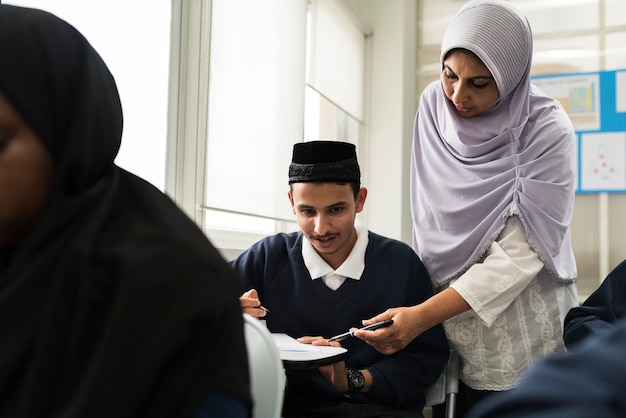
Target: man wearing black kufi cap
point(329, 282)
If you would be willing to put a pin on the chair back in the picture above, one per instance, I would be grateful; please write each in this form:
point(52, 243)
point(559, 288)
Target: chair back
point(436, 393)
point(446, 388)
point(267, 376)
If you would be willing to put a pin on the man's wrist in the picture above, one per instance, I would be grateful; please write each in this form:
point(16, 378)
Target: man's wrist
point(356, 380)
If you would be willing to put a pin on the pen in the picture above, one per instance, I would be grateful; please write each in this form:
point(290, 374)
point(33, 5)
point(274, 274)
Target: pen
point(263, 307)
point(371, 327)
point(340, 337)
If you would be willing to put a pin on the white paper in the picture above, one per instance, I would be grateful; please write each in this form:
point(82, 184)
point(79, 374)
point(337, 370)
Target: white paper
point(291, 350)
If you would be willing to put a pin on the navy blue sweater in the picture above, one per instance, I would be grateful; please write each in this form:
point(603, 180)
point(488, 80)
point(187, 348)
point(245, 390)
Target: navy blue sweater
point(600, 312)
point(393, 276)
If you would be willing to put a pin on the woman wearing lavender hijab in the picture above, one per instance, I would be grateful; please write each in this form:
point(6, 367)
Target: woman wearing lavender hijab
point(492, 197)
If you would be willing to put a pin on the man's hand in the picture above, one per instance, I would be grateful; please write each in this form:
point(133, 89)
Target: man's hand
point(336, 373)
point(251, 304)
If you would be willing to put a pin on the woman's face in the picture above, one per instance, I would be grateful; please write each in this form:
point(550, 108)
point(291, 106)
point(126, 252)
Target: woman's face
point(468, 84)
point(26, 170)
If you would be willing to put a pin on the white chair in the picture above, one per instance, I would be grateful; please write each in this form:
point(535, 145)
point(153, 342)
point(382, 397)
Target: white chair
point(267, 376)
point(446, 388)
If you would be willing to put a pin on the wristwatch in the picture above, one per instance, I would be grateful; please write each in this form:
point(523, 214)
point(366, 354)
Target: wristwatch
point(356, 381)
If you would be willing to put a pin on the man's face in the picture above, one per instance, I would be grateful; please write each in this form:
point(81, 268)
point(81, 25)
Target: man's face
point(325, 214)
point(26, 169)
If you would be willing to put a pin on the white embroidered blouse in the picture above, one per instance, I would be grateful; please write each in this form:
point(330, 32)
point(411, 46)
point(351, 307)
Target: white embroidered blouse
point(517, 312)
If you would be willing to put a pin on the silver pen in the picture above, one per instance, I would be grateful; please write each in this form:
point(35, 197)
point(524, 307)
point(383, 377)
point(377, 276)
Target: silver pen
point(371, 327)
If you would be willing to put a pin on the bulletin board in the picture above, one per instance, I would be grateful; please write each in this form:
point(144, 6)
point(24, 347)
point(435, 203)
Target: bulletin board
point(596, 104)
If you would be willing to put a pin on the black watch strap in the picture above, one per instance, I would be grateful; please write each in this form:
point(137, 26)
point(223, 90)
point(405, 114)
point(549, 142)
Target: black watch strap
point(356, 380)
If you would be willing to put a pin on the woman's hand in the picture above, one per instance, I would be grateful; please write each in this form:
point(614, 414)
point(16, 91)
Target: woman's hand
point(409, 322)
point(406, 326)
point(251, 304)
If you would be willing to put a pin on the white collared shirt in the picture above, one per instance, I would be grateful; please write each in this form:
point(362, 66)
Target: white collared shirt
point(352, 266)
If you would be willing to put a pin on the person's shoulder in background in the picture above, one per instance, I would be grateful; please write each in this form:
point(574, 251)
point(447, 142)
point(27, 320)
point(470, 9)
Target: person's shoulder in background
point(589, 383)
point(600, 311)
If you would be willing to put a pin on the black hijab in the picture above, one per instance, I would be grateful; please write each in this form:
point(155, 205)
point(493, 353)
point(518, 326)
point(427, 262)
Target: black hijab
point(113, 304)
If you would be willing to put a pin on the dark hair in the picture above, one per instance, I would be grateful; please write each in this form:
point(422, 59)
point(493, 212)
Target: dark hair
point(354, 185)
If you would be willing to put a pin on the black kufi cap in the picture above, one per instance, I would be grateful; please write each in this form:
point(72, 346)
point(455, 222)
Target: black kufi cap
point(319, 161)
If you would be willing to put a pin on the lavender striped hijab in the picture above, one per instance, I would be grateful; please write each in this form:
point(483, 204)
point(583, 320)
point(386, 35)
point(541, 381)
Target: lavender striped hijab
point(469, 175)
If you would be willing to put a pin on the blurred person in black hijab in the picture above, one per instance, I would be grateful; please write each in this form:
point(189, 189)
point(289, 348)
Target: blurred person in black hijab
point(112, 302)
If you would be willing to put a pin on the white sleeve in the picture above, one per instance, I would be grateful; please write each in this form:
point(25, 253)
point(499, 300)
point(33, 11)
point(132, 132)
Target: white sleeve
point(490, 286)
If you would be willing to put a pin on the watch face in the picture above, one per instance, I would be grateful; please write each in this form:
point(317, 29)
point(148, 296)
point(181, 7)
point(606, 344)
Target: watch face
point(356, 381)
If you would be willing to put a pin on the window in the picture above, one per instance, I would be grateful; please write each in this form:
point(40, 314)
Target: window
point(335, 73)
point(136, 50)
point(278, 75)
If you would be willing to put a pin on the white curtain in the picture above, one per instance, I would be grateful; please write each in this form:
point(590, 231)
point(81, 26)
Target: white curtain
point(256, 103)
point(337, 56)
